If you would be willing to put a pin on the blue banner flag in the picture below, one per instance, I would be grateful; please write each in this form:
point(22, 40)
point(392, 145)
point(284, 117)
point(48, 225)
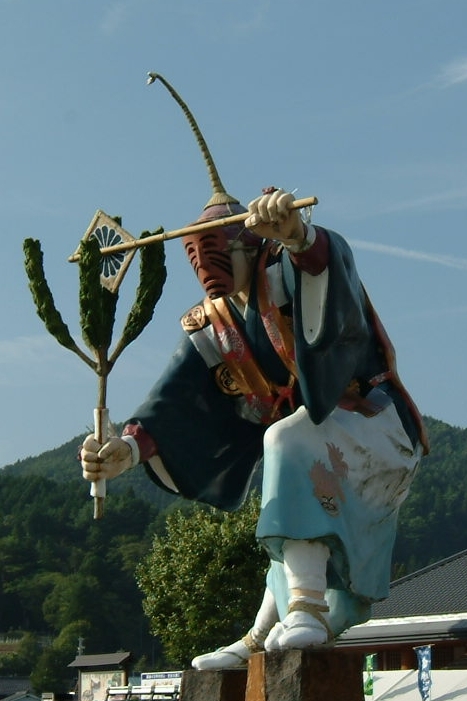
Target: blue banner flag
point(424, 671)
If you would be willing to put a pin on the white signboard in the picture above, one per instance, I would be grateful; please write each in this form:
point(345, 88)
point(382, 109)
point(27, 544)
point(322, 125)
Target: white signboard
point(162, 682)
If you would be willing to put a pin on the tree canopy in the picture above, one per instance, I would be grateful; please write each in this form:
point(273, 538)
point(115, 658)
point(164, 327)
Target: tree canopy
point(203, 580)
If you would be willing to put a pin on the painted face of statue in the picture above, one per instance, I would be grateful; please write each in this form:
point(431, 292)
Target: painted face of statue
point(210, 258)
point(218, 256)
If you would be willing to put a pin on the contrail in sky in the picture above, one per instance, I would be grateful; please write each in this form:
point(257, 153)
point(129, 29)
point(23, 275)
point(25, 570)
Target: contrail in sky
point(438, 258)
point(453, 73)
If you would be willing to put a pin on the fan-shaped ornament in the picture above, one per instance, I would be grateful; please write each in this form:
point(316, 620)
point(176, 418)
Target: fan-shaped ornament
point(109, 232)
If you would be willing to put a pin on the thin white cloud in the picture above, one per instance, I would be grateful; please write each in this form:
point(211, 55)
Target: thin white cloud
point(453, 73)
point(28, 348)
point(455, 198)
point(256, 20)
point(449, 75)
point(114, 17)
point(437, 258)
point(434, 313)
point(357, 209)
point(37, 360)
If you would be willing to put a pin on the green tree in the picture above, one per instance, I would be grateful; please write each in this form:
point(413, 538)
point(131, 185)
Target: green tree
point(51, 672)
point(73, 598)
point(203, 580)
point(23, 659)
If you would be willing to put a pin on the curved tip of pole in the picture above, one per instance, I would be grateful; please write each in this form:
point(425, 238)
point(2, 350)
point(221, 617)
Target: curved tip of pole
point(151, 78)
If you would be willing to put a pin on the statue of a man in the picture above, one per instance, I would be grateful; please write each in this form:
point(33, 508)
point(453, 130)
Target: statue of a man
point(285, 361)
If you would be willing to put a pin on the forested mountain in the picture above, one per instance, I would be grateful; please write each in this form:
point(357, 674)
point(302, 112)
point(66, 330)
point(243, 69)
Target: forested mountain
point(64, 574)
point(61, 465)
point(432, 522)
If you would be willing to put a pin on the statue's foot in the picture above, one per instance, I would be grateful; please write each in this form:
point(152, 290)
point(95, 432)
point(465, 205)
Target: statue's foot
point(306, 625)
point(231, 657)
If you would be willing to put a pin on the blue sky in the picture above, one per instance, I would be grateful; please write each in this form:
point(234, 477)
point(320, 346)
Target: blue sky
point(361, 103)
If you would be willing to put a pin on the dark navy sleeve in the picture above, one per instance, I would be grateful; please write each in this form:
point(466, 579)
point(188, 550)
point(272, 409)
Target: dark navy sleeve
point(207, 449)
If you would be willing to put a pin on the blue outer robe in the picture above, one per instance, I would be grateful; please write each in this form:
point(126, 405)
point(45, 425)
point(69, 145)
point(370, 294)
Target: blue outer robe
point(210, 451)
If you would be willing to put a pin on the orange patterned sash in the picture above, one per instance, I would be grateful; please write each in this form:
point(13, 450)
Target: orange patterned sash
point(265, 396)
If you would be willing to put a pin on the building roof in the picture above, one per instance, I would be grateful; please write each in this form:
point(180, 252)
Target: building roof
point(426, 606)
point(9, 686)
point(440, 588)
point(22, 696)
point(413, 630)
point(109, 660)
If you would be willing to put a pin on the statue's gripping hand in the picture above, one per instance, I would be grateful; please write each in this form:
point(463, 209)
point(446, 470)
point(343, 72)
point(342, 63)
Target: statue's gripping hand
point(270, 217)
point(104, 461)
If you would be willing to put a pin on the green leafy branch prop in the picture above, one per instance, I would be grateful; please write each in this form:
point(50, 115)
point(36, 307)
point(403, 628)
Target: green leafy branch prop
point(97, 317)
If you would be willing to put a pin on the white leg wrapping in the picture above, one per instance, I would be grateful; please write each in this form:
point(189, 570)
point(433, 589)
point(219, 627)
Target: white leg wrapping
point(237, 654)
point(265, 618)
point(306, 623)
point(305, 564)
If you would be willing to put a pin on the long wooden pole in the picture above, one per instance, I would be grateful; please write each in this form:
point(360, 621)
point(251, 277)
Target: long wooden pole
point(194, 228)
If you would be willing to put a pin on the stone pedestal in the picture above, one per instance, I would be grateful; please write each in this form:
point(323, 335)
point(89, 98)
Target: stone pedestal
point(305, 675)
point(295, 675)
point(228, 685)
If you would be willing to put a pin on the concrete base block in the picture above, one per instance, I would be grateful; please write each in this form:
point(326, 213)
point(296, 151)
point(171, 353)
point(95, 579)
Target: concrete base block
point(227, 685)
point(305, 675)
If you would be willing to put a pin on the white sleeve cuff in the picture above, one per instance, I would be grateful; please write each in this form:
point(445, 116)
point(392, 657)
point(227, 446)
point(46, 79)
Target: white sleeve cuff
point(134, 449)
point(304, 244)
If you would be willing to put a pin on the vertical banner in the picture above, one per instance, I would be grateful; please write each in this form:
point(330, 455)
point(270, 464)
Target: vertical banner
point(424, 671)
point(368, 683)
